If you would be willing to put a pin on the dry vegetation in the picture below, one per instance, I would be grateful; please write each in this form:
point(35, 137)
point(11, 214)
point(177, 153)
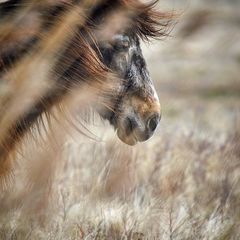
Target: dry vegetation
point(182, 184)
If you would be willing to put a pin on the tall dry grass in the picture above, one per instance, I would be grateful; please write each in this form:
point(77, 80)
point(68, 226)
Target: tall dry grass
point(179, 185)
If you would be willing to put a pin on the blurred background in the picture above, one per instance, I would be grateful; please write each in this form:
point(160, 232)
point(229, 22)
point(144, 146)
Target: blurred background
point(197, 69)
point(184, 183)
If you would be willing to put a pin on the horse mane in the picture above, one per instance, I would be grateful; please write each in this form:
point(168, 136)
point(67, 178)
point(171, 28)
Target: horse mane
point(145, 18)
point(147, 21)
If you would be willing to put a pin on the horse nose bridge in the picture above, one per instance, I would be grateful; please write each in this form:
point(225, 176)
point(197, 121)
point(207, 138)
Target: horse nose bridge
point(148, 111)
point(149, 107)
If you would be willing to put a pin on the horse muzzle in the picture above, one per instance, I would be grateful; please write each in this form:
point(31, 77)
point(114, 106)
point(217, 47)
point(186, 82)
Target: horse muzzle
point(139, 124)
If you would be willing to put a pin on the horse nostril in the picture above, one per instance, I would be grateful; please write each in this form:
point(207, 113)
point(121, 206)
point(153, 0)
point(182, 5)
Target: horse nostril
point(153, 122)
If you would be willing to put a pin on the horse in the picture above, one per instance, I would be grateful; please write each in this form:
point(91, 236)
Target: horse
point(51, 48)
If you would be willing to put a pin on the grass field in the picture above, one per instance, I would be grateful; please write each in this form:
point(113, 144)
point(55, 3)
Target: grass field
point(184, 183)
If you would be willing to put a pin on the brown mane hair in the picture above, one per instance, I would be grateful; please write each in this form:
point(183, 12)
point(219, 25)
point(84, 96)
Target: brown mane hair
point(148, 21)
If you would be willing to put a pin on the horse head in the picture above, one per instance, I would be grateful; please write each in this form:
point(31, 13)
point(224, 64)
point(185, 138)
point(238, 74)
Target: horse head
point(135, 113)
point(135, 108)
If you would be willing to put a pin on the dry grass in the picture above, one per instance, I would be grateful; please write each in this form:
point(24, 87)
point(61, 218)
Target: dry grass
point(182, 184)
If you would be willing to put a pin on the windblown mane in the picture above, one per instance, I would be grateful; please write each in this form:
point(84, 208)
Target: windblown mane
point(148, 22)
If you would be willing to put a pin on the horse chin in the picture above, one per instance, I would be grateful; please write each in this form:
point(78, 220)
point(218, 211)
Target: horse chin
point(130, 140)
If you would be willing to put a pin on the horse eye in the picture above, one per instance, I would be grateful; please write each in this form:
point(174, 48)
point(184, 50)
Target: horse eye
point(126, 43)
point(122, 45)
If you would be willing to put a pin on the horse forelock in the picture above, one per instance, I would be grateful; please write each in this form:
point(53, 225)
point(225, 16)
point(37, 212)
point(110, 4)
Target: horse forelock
point(147, 21)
